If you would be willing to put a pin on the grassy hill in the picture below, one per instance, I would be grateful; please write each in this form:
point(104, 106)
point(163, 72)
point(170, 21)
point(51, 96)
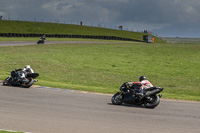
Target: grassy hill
point(56, 28)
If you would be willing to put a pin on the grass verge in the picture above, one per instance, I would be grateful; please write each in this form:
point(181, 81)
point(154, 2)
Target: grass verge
point(3, 131)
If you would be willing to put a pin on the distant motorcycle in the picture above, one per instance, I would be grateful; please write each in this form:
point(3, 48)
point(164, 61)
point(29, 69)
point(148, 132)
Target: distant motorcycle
point(15, 80)
point(129, 95)
point(41, 41)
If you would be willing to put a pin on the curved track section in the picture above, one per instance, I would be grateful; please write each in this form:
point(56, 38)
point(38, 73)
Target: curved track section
point(23, 43)
point(43, 110)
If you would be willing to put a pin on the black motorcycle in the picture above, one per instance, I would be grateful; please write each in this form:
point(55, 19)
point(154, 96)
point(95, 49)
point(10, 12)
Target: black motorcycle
point(41, 41)
point(15, 79)
point(130, 94)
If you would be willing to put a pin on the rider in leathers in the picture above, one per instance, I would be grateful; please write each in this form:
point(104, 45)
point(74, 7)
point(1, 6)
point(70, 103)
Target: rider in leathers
point(24, 71)
point(145, 84)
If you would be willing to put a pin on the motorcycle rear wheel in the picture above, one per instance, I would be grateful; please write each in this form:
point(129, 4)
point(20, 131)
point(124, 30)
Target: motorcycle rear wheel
point(28, 84)
point(117, 99)
point(155, 100)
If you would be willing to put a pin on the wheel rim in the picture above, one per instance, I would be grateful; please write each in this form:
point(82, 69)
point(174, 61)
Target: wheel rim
point(5, 82)
point(153, 102)
point(29, 79)
point(117, 99)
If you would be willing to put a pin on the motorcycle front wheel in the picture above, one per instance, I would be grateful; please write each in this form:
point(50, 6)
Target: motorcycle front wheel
point(6, 82)
point(153, 102)
point(117, 99)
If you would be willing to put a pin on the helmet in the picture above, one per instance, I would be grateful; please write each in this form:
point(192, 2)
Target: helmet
point(142, 78)
point(27, 66)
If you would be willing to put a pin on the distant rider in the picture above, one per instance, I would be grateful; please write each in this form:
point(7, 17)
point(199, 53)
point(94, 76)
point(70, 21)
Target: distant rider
point(43, 38)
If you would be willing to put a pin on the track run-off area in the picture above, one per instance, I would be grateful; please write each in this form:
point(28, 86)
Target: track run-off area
point(50, 110)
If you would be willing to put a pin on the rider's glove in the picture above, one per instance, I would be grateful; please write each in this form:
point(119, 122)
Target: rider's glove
point(129, 84)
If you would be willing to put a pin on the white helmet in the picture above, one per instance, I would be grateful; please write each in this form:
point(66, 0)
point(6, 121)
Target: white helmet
point(27, 66)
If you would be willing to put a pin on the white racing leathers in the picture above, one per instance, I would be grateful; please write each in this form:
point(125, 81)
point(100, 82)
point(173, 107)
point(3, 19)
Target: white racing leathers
point(26, 71)
point(146, 84)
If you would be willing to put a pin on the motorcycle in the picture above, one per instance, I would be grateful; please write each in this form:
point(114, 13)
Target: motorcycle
point(15, 80)
point(130, 94)
point(41, 41)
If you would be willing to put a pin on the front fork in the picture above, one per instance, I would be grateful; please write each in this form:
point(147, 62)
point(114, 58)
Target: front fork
point(120, 95)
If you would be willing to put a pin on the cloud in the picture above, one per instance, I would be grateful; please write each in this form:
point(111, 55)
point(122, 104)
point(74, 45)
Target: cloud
point(76, 10)
point(145, 11)
point(180, 30)
point(160, 11)
point(136, 14)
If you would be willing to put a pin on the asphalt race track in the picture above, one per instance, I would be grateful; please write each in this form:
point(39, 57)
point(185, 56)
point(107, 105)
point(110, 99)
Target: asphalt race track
point(23, 43)
point(47, 110)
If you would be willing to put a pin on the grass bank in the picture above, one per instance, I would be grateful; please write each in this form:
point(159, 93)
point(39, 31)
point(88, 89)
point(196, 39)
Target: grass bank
point(104, 67)
point(56, 28)
point(7, 39)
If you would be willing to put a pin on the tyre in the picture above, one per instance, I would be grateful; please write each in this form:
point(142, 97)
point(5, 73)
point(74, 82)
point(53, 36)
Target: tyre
point(29, 83)
point(39, 42)
point(117, 99)
point(153, 102)
point(6, 82)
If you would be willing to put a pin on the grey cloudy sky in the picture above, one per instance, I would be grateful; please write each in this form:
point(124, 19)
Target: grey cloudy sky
point(164, 17)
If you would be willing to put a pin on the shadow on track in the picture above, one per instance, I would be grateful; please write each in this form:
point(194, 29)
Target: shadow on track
point(130, 105)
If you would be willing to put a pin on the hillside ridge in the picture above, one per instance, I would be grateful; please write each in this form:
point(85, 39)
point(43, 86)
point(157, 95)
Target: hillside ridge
point(26, 27)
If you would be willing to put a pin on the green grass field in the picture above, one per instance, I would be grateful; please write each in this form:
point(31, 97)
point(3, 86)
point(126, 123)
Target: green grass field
point(56, 28)
point(2, 131)
point(104, 67)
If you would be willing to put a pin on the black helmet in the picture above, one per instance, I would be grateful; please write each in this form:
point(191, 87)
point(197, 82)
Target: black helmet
point(142, 78)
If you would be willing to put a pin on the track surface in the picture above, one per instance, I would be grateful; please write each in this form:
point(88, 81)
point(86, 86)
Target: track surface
point(43, 110)
point(23, 43)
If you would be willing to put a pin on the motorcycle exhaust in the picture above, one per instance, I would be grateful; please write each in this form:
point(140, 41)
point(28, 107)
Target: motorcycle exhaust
point(153, 92)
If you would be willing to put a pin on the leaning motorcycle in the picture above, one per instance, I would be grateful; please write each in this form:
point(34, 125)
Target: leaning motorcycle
point(14, 79)
point(129, 94)
point(41, 41)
